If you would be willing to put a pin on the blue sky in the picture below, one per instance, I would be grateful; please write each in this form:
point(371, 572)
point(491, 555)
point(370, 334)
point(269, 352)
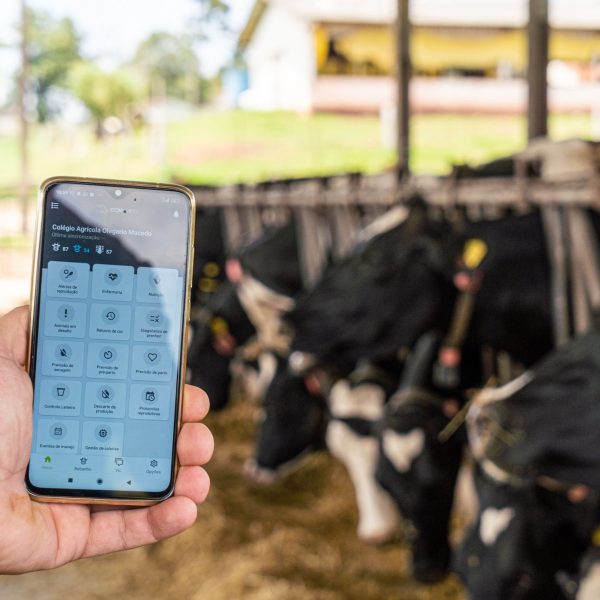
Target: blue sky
point(112, 29)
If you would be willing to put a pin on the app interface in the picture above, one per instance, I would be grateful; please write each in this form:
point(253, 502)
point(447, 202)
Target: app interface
point(108, 343)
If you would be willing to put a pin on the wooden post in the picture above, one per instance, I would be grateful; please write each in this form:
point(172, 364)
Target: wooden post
point(23, 125)
point(403, 65)
point(538, 34)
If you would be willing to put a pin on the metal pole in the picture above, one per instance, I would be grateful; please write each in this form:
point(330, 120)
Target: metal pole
point(23, 125)
point(404, 67)
point(538, 34)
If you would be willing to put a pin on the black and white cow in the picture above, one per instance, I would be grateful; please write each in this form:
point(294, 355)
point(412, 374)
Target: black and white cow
point(538, 439)
point(525, 544)
point(293, 425)
point(351, 403)
point(546, 423)
point(417, 468)
point(263, 278)
point(403, 287)
point(356, 404)
point(219, 329)
point(408, 289)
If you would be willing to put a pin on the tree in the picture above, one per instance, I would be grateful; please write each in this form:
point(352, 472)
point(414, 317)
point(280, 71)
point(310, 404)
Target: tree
point(214, 11)
point(105, 94)
point(170, 60)
point(53, 46)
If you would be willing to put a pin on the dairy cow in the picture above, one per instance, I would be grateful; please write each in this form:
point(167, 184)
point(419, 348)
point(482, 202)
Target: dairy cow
point(293, 424)
point(525, 544)
point(219, 329)
point(352, 398)
point(396, 297)
point(536, 440)
point(263, 278)
point(546, 423)
point(356, 404)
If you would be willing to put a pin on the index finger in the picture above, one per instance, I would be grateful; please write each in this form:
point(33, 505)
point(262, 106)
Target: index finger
point(195, 404)
point(13, 335)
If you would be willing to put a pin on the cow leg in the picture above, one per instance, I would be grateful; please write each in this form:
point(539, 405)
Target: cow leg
point(378, 517)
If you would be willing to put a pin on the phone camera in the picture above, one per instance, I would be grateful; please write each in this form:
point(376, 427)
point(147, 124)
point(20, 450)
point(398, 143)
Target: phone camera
point(118, 193)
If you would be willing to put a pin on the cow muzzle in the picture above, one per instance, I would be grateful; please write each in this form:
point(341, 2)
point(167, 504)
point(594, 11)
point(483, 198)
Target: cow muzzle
point(259, 475)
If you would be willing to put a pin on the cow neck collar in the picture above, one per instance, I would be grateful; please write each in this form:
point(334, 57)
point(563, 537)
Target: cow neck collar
point(411, 396)
point(446, 371)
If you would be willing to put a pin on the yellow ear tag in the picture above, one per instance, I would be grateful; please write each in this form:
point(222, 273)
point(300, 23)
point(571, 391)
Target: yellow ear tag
point(474, 252)
point(211, 269)
point(596, 537)
point(219, 326)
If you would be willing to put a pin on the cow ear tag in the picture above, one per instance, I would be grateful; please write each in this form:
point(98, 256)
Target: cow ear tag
point(474, 252)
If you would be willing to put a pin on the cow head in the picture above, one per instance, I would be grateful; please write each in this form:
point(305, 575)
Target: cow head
point(293, 424)
point(390, 290)
point(523, 537)
point(220, 328)
point(415, 467)
point(546, 423)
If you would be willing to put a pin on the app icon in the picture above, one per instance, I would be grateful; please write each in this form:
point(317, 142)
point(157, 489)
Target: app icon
point(60, 390)
point(153, 463)
point(83, 460)
point(65, 313)
point(153, 318)
point(113, 277)
point(110, 315)
point(58, 431)
point(68, 274)
point(56, 247)
point(152, 357)
point(119, 462)
point(77, 248)
point(107, 354)
point(63, 352)
point(149, 395)
point(103, 433)
point(48, 459)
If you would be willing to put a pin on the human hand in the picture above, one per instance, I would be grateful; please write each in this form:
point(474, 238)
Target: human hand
point(36, 536)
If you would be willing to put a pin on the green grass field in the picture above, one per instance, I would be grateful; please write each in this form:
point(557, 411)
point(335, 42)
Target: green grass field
point(230, 147)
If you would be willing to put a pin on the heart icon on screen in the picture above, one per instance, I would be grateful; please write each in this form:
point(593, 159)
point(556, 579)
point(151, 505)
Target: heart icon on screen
point(152, 356)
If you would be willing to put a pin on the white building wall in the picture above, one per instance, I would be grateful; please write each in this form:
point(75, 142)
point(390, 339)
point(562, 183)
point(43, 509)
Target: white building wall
point(281, 63)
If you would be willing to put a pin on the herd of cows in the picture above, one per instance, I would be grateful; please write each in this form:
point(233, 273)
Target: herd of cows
point(391, 361)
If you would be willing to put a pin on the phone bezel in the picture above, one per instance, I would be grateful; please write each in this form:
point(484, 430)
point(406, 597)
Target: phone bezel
point(112, 497)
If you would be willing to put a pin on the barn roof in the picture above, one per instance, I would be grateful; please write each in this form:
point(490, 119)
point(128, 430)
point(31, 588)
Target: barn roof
point(564, 14)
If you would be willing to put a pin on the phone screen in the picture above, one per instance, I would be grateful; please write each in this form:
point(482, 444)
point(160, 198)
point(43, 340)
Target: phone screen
point(107, 340)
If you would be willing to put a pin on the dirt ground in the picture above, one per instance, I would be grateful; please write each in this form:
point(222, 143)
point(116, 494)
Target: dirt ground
point(295, 540)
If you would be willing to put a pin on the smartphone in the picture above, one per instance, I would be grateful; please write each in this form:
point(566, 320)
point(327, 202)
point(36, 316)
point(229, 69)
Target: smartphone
point(108, 338)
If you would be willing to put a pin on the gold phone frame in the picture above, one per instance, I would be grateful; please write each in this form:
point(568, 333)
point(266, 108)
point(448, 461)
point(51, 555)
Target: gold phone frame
point(35, 282)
